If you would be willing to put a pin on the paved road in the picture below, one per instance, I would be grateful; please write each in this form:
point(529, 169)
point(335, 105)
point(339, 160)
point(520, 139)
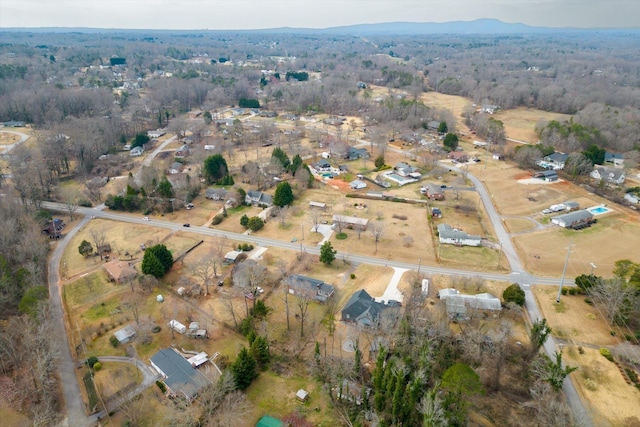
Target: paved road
point(66, 363)
point(23, 137)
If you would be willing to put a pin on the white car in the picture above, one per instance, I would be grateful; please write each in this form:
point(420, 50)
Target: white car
point(259, 289)
point(146, 218)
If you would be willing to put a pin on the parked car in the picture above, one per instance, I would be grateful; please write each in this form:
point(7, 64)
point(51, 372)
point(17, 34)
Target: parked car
point(146, 218)
point(186, 225)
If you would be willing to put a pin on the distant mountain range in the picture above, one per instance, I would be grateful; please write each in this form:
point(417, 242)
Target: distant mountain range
point(478, 26)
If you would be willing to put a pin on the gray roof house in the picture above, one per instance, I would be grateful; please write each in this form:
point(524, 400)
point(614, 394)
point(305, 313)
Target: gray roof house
point(616, 159)
point(357, 184)
point(180, 377)
point(175, 168)
point(322, 165)
point(216, 193)
point(609, 175)
point(404, 169)
point(575, 219)
point(554, 161)
point(457, 303)
point(362, 309)
point(309, 288)
point(255, 197)
point(548, 175)
point(453, 236)
point(354, 153)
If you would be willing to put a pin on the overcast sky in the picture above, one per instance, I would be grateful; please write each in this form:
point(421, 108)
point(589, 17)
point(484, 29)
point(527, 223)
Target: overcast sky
point(256, 14)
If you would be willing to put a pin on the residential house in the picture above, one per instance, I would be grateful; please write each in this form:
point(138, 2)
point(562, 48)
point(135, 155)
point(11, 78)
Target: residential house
point(259, 198)
point(615, 159)
point(554, 161)
point(176, 167)
point(404, 169)
point(362, 309)
point(454, 236)
point(216, 193)
point(358, 184)
point(549, 175)
point(433, 125)
point(351, 221)
point(354, 153)
point(489, 108)
point(319, 205)
point(497, 156)
point(231, 256)
point(609, 175)
point(180, 378)
point(125, 334)
point(458, 157)
point(632, 198)
point(457, 304)
point(154, 134)
point(432, 191)
point(182, 152)
point(480, 144)
point(322, 165)
point(309, 288)
point(362, 85)
point(14, 124)
point(136, 152)
point(119, 271)
point(576, 219)
point(54, 229)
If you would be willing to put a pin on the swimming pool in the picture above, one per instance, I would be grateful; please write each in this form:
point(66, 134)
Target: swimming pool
point(599, 210)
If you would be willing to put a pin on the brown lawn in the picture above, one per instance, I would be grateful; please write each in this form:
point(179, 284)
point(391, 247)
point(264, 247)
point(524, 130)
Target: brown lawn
point(610, 240)
point(113, 377)
point(520, 123)
point(9, 138)
point(600, 383)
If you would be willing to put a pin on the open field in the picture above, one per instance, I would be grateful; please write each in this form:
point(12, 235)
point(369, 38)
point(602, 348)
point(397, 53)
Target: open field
point(604, 243)
point(520, 123)
point(611, 400)
point(114, 377)
point(9, 138)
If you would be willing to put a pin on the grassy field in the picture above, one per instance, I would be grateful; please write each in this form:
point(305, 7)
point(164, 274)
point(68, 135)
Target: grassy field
point(584, 331)
point(114, 377)
point(520, 123)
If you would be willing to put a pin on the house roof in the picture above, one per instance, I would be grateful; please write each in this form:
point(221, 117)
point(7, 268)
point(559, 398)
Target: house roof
point(181, 376)
point(612, 174)
point(362, 307)
point(358, 183)
point(557, 157)
point(445, 231)
point(315, 287)
point(572, 205)
point(125, 333)
point(457, 303)
point(221, 192)
point(403, 165)
point(260, 197)
point(574, 216)
point(612, 156)
point(323, 163)
point(546, 174)
point(176, 166)
point(232, 255)
point(350, 220)
point(119, 270)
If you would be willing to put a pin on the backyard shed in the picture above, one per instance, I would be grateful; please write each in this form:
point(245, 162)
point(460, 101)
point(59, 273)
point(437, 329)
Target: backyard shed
point(125, 334)
point(302, 395)
point(177, 326)
point(269, 421)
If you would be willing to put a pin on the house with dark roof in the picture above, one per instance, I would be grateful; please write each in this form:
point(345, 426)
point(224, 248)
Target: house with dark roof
point(362, 309)
point(176, 167)
point(255, 197)
point(354, 153)
point(322, 165)
point(615, 159)
point(404, 169)
point(553, 161)
point(432, 191)
point(309, 288)
point(180, 378)
point(548, 175)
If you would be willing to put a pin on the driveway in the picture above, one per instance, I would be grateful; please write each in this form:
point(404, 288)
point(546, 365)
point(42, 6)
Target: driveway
point(23, 137)
point(392, 292)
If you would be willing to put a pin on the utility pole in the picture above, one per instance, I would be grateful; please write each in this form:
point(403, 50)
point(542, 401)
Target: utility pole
point(564, 270)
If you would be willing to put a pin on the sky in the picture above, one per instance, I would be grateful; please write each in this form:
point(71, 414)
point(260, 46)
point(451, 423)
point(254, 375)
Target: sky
point(261, 14)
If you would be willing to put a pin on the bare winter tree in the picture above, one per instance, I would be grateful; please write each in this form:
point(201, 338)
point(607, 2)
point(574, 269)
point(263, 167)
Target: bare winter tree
point(302, 305)
point(377, 231)
point(99, 237)
point(316, 216)
point(613, 295)
point(205, 268)
point(248, 276)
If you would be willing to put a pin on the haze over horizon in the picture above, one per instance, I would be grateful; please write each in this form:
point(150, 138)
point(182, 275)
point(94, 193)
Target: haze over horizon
point(260, 14)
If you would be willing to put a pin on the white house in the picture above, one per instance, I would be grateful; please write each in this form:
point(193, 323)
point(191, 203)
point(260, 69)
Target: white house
point(453, 236)
point(136, 152)
point(575, 219)
point(175, 168)
point(632, 198)
point(154, 134)
point(609, 175)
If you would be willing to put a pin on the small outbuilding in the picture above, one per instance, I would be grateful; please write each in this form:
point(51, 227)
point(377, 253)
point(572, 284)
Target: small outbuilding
point(302, 395)
point(358, 184)
point(269, 421)
point(125, 334)
point(177, 326)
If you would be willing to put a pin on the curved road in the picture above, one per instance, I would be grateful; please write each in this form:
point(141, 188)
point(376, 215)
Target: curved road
point(518, 273)
point(23, 138)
